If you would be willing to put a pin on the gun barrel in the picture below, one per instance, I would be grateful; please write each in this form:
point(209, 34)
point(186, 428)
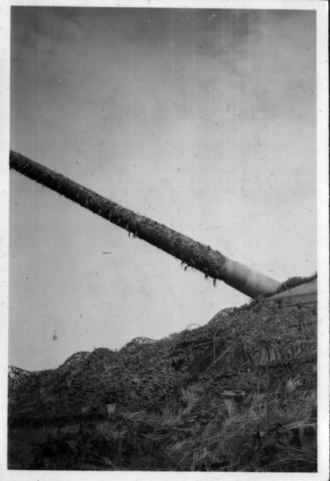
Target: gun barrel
point(247, 280)
point(210, 262)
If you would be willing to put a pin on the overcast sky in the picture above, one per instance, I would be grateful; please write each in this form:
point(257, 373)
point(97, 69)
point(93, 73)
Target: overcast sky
point(204, 120)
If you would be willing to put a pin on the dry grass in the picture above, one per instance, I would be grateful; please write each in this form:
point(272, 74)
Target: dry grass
point(190, 434)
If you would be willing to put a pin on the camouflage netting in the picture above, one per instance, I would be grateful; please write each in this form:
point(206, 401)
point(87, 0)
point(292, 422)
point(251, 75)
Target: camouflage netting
point(294, 282)
point(258, 346)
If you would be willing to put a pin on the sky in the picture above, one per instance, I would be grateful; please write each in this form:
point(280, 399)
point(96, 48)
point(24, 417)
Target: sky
point(203, 120)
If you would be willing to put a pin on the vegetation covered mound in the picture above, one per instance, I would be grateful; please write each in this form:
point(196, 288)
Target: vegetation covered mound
point(201, 399)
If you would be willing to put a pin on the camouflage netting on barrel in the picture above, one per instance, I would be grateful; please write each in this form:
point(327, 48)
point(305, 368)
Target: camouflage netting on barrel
point(260, 346)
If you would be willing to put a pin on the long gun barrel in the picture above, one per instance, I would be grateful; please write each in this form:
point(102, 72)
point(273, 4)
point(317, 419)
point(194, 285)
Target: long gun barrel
point(193, 254)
